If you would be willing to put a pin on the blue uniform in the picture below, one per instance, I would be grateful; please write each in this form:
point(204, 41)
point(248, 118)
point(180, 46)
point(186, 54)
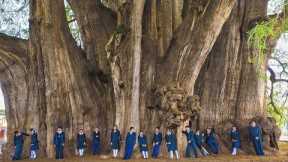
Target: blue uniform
point(58, 141)
point(235, 136)
point(81, 141)
point(129, 145)
point(115, 140)
point(18, 143)
point(212, 143)
point(34, 142)
point(143, 143)
point(171, 142)
point(191, 144)
point(157, 140)
point(256, 138)
point(199, 139)
point(96, 144)
point(34, 146)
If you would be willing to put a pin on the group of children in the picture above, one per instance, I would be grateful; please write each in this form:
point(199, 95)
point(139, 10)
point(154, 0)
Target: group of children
point(204, 143)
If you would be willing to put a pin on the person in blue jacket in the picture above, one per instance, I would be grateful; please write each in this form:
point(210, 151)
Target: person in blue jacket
point(255, 135)
point(211, 141)
point(171, 143)
point(142, 142)
point(191, 143)
point(199, 140)
point(81, 142)
point(34, 146)
point(18, 144)
point(156, 141)
point(96, 142)
point(235, 138)
point(130, 143)
point(115, 141)
point(59, 141)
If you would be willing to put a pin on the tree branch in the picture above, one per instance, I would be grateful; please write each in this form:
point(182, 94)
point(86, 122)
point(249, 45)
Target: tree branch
point(193, 41)
point(13, 48)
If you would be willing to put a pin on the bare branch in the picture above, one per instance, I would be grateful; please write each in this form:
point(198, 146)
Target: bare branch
point(13, 48)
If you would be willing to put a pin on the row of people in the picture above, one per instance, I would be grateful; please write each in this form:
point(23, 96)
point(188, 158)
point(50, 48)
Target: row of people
point(196, 142)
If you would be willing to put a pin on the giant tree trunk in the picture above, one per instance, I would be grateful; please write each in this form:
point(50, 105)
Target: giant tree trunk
point(142, 62)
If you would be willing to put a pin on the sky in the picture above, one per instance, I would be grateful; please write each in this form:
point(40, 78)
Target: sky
point(2, 105)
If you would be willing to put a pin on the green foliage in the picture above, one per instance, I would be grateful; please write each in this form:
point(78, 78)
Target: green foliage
point(280, 115)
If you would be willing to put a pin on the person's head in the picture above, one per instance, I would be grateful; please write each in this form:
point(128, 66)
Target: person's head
point(157, 129)
point(32, 130)
point(197, 132)
point(187, 128)
point(81, 131)
point(141, 133)
point(234, 128)
point(96, 129)
point(16, 132)
point(132, 129)
point(253, 123)
point(115, 127)
point(209, 130)
point(169, 131)
point(59, 130)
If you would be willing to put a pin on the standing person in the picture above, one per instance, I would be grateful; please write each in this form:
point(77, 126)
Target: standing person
point(142, 141)
point(59, 141)
point(171, 142)
point(191, 144)
point(81, 142)
point(2, 139)
point(157, 140)
point(255, 135)
point(199, 140)
point(34, 147)
point(96, 142)
point(18, 143)
point(211, 141)
point(130, 143)
point(235, 138)
point(115, 141)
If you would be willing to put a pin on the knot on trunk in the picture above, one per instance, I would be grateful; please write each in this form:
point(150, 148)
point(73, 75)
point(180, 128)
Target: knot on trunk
point(174, 105)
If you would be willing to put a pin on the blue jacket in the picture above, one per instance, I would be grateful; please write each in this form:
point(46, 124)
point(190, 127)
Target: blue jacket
point(212, 143)
point(171, 142)
point(198, 139)
point(59, 139)
point(34, 142)
point(130, 139)
point(142, 141)
point(255, 132)
point(235, 137)
point(96, 137)
point(190, 138)
point(18, 140)
point(157, 138)
point(81, 141)
point(115, 139)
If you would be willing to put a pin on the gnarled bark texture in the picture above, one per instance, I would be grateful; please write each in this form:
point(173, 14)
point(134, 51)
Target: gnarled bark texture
point(142, 65)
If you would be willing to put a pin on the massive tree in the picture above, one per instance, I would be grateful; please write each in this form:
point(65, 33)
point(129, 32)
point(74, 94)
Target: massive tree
point(144, 63)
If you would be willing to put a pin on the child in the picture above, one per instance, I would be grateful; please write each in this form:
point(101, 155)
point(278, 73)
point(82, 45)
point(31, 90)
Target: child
point(157, 140)
point(142, 141)
point(211, 141)
point(59, 141)
point(96, 144)
point(235, 137)
point(199, 139)
point(115, 141)
point(81, 142)
point(130, 143)
point(255, 134)
point(171, 142)
point(34, 147)
point(191, 144)
point(18, 143)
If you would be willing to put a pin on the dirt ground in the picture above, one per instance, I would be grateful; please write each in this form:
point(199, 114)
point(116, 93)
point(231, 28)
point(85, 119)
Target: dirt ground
point(281, 157)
